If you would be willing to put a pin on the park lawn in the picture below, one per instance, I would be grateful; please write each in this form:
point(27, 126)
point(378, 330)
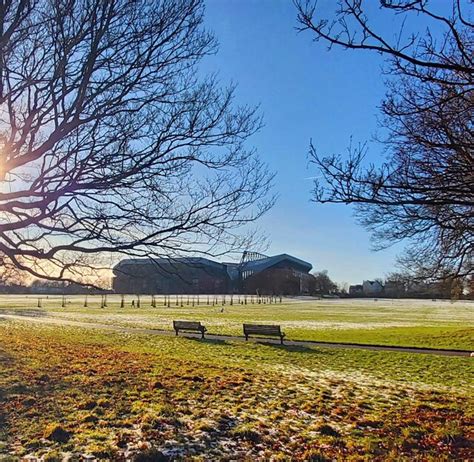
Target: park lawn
point(428, 324)
point(102, 393)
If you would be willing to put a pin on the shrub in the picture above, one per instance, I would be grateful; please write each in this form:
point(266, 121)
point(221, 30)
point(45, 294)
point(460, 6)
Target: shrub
point(55, 432)
point(151, 455)
point(327, 430)
point(246, 432)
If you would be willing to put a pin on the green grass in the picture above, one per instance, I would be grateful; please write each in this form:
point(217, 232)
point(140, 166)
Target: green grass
point(73, 389)
point(429, 324)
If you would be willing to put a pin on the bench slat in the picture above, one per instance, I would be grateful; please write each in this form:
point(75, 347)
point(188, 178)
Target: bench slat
point(254, 330)
point(189, 326)
point(263, 329)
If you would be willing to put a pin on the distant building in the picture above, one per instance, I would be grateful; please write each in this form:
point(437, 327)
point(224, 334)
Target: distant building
point(366, 289)
point(256, 273)
point(280, 274)
point(170, 276)
point(372, 288)
point(356, 290)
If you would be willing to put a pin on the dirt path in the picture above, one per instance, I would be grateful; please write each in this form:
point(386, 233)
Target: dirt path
point(303, 343)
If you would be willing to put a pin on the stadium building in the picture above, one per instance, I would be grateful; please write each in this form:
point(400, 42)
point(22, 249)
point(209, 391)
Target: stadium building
point(255, 273)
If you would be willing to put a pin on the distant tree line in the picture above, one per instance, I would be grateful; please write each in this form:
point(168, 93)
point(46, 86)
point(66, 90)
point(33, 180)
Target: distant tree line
point(322, 284)
point(405, 285)
point(39, 286)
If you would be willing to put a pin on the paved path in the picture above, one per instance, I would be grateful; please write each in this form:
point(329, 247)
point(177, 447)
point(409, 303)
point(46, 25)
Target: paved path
point(302, 343)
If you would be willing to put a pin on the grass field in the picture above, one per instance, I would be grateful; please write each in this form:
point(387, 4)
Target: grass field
point(422, 323)
point(117, 396)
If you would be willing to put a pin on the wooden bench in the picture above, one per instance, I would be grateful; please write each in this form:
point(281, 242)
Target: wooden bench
point(263, 329)
point(189, 326)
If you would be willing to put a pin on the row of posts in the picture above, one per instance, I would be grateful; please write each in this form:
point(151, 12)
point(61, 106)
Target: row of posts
point(186, 300)
point(191, 300)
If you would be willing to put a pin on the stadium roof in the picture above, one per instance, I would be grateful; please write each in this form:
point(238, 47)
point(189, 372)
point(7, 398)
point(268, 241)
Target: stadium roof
point(254, 266)
point(191, 261)
point(264, 263)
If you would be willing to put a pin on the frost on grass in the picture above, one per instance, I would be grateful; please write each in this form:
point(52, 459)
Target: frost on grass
point(437, 324)
point(116, 396)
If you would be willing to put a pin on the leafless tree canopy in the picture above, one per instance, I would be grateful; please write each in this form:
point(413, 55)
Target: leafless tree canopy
point(424, 191)
point(109, 139)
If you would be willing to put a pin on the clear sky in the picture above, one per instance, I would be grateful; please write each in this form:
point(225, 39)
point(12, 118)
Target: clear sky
point(305, 92)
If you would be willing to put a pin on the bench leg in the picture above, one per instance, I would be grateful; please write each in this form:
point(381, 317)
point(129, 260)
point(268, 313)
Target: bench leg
point(202, 334)
point(281, 340)
point(176, 332)
point(246, 337)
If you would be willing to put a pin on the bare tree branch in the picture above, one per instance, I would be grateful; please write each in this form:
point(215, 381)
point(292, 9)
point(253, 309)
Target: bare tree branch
point(424, 191)
point(109, 141)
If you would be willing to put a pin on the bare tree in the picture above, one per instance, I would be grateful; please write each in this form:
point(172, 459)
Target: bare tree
point(322, 283)
point(110, 142)
point(424, 191)
point(10, 275)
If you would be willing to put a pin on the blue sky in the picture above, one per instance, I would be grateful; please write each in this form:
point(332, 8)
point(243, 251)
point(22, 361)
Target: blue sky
point(305, 92)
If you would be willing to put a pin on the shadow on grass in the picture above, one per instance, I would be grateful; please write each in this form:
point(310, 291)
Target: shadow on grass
point(20, 395)
point(36, 313)
point(6, 362)
point(208, 341)
point(292, 348)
